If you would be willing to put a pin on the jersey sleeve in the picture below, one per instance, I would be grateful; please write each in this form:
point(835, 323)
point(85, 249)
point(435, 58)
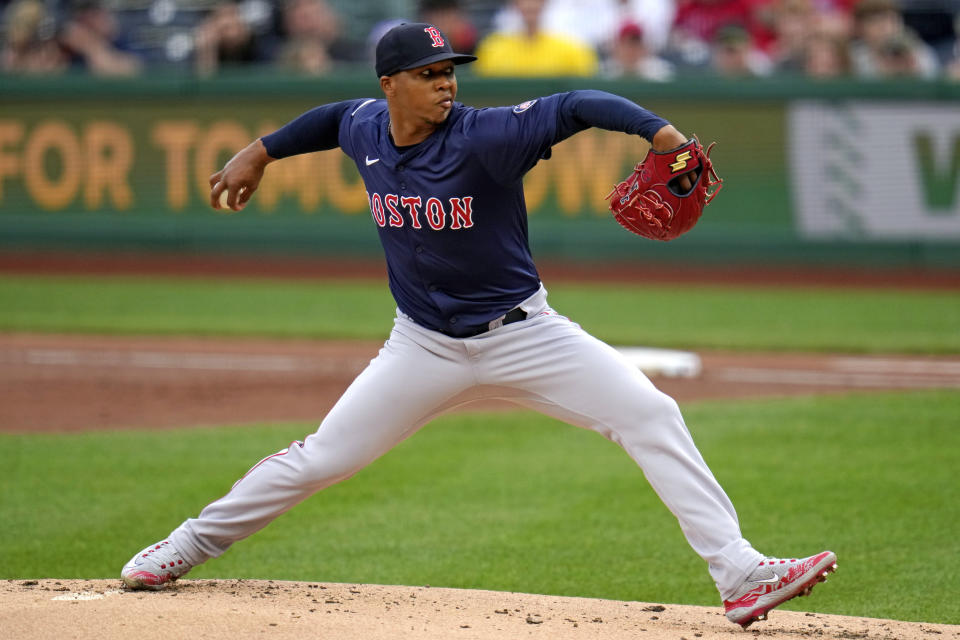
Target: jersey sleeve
point(315, 130)
point(511, 140)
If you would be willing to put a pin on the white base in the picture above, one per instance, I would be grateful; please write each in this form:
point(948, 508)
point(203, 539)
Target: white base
point(664, 362)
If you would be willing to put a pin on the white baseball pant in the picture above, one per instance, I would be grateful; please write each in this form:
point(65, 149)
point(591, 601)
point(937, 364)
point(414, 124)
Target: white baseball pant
point(546, 363)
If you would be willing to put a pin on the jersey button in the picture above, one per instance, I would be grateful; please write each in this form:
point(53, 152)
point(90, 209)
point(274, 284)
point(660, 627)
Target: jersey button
point(399, 167)
point(403, 185)
point(453, 320)
point(432, 287)
point(419, 248)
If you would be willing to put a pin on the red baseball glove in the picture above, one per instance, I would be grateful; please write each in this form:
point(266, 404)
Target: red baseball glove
point(651, 202)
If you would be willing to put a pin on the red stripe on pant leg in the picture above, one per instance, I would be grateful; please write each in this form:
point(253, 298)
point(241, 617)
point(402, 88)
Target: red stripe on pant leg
point(279, 453)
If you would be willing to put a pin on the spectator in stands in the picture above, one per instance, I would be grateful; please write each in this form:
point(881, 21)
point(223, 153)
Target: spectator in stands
point(952, 68)
point(29, 44)
point(793, 23)
point(362, 21)
point(934, 22)
point(897, 58)
point(453, 22)
point(92, 38)
point(800, 27)
point(597, 22)
point(832, 17)
point(632, 58)
point(734, 54)
point(310, 29)
point(694, 36)
point(884, 46)
point(225, 39)
point(826, 55)
point(532, 51)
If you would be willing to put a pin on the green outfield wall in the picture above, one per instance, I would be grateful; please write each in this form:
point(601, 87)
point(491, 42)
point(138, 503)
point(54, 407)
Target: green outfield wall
point(813, 172)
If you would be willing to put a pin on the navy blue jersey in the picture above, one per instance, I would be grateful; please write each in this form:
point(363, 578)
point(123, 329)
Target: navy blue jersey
point(450, 210)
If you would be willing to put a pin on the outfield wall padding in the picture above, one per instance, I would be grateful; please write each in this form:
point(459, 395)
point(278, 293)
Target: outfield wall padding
point(813, 172)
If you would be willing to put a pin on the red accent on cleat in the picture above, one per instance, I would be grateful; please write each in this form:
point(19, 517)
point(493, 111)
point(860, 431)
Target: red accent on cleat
point(751, 604)
point(154, 567)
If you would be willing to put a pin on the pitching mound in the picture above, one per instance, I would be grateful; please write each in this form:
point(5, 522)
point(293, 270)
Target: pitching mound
point(102, 609)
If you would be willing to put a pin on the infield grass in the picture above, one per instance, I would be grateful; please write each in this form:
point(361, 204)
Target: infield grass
point(719, 317)
point(519, 502)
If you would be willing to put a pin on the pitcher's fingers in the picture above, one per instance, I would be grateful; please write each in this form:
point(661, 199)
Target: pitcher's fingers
point(244, 196)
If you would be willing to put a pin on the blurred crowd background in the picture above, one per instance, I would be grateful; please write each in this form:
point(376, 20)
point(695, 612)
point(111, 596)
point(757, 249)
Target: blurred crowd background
point(654, 40)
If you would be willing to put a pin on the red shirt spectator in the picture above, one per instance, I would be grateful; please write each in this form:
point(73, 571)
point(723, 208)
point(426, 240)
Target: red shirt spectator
point(701, 19)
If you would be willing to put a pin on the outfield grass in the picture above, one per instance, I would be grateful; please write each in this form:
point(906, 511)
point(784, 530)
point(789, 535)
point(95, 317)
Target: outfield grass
point(519, 502)
point(852, 320)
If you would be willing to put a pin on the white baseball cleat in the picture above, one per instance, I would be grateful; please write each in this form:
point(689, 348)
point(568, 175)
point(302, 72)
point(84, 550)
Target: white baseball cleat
point(774, 582)
point(154, 567)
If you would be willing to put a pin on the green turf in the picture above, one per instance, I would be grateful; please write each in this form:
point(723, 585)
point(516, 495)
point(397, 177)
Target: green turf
point(675, 316)
point(127, 305)
point(518, 502)
point(865, 320)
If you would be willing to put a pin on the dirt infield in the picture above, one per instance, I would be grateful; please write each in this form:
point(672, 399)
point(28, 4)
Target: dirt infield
point(66, 383)
point(81, 609)
point(71, 383)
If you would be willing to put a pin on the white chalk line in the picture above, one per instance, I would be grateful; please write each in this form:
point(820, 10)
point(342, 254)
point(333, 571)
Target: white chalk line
point(831, 379)
point(857, 372)
point(889, 365)
point(865, 372)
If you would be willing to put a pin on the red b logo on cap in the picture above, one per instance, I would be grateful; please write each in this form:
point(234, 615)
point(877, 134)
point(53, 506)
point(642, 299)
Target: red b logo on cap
point(434, 33)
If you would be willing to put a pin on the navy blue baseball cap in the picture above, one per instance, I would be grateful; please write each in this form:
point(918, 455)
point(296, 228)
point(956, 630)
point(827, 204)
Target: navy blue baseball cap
point(414, 44)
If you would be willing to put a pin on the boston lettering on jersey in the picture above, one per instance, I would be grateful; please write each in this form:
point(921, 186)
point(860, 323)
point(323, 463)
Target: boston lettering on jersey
point(450, 211)
point(394, 210)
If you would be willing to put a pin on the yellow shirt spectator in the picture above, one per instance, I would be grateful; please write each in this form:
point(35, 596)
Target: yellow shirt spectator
point(543, 54)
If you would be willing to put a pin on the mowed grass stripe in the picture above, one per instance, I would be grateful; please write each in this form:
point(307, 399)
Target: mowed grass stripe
point(680, 316)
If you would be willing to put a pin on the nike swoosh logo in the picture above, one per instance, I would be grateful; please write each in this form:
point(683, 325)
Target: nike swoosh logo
point(775, 579)
point(370, 162)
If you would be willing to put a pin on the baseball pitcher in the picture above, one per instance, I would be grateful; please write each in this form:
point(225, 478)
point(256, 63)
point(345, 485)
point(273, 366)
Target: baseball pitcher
point(444, 184)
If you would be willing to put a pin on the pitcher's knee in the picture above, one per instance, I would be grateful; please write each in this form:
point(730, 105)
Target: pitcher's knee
point(657, 408)
point(650, 418)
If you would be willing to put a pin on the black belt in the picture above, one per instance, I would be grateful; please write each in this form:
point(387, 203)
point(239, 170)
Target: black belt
point(514, 315)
